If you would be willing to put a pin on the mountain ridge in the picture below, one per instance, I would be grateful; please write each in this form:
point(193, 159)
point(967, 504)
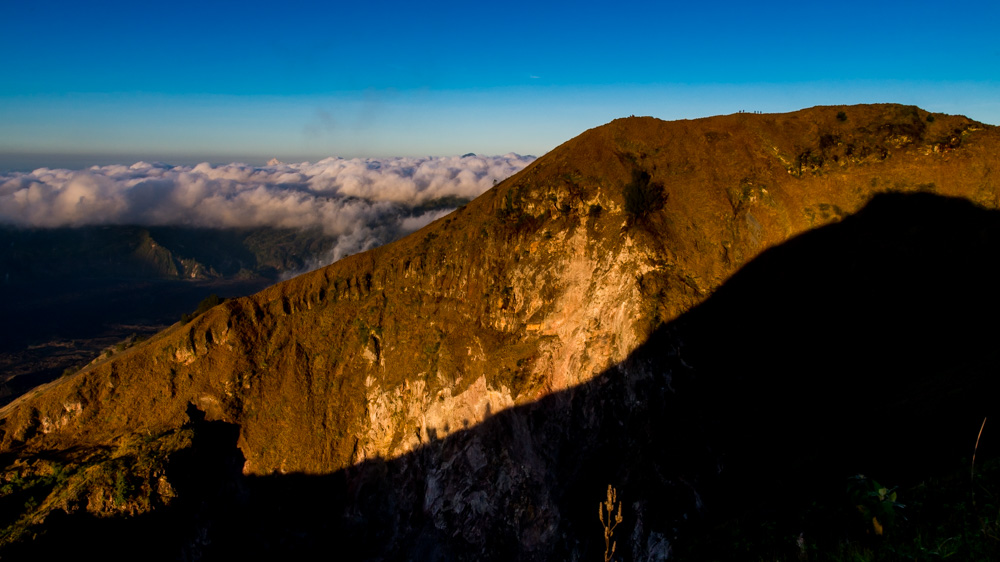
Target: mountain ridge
point(675, 427)
point(515, 207)
point(536, 287)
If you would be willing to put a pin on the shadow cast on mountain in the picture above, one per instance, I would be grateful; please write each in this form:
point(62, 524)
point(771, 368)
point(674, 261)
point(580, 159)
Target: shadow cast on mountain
point(867, 346)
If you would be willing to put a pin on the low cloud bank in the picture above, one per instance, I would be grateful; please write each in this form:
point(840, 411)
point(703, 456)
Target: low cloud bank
point(361, 202)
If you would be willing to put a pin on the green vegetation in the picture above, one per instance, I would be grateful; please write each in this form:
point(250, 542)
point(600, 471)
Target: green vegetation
point(106, 481)
point(876, 503)
point(941, 517)
point(123, 489)
point(21, 492)
point(841, 116)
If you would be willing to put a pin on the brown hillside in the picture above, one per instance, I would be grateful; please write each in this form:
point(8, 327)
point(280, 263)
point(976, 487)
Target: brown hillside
point(536, 286)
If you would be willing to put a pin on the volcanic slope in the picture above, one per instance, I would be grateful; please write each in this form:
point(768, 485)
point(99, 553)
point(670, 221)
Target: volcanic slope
point(543, 283)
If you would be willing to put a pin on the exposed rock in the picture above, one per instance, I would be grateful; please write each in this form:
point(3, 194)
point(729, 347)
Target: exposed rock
point(463, 391)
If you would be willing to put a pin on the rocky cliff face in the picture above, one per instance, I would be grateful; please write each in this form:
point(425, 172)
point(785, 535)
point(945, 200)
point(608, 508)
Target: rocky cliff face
point(490, 367)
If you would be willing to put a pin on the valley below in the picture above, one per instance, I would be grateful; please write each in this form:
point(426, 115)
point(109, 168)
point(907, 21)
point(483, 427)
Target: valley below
point(53, 329)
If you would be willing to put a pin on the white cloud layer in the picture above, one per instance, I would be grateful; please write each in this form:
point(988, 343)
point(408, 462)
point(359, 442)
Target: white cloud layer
point(363, 202)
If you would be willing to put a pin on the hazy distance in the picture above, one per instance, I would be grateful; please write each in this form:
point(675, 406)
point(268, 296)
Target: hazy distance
point(363, 202)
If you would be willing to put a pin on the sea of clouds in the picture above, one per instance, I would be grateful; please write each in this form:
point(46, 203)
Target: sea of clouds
point(361, 202)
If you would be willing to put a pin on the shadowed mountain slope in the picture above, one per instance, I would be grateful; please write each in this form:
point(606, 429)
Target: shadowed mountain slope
point(496, 357)
point(861, 347)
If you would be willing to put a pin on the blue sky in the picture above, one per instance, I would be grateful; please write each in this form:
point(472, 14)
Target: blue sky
point(248, 80)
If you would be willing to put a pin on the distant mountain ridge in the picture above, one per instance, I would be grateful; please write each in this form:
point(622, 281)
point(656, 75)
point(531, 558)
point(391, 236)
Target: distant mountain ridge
point(538, 292)
point(68, 292)
point(156, 252)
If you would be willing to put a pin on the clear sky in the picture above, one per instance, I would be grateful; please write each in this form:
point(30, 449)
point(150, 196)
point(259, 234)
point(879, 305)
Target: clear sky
point(248, 80)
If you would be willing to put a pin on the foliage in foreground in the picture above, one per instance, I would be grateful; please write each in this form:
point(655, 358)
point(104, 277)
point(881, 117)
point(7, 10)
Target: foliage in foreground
point(943, 517)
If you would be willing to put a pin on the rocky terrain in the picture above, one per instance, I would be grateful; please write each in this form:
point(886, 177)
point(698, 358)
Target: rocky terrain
point(693, 311)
